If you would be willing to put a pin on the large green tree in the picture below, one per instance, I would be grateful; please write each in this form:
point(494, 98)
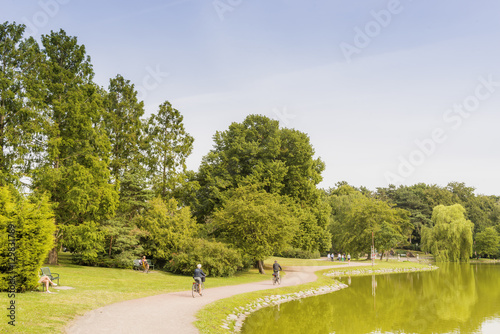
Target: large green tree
point(75, 170)
point(357, 218)
point(167, 147)
point(450, 237)
point(487, 243)
point(259, 223)
point(20, 120)
point(279, 161)
point(123, 126)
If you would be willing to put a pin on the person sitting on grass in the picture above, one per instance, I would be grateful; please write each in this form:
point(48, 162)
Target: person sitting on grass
point(45, 280)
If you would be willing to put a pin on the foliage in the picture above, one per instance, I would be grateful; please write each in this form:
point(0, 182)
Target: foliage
point(167, 147)
point(450, 239)
point(74, 171)
point(124, 126)
point(487, 243)
point(298, 253)
point(257, 222)
point(356, 217)
point(217, 259)
point(30, 221)
point(168, 229)
point(258, 153)
point(20, 121)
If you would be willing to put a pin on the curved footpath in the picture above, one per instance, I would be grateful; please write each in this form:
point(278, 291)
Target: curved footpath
point(174, 312)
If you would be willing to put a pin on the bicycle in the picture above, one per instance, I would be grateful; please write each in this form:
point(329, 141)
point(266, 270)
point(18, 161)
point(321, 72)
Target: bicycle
point(197, 288)
point(276, 278)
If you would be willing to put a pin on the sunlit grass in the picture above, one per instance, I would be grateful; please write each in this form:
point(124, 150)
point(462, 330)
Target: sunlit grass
point(38, 312)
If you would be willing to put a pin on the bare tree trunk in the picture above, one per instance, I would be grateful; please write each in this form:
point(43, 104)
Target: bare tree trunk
point(53, 259)
point(260, 264)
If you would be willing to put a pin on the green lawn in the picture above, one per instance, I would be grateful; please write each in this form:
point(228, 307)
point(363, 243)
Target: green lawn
point(38, 312)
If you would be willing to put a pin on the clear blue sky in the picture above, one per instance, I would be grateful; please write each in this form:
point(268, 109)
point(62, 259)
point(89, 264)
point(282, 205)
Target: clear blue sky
point(388, 91)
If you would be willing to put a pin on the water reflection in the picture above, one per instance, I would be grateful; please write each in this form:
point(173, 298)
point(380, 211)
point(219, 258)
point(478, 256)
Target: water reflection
point(457, 298)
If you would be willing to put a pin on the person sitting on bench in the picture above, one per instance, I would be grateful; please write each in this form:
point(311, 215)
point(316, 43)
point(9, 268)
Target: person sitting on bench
point(45, 280)
point(145, 264)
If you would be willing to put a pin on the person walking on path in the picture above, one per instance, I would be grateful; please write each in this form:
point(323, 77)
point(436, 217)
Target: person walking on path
point(349, 259)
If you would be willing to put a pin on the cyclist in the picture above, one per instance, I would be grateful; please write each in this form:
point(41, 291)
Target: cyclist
point(199, 276)
point(276, 269)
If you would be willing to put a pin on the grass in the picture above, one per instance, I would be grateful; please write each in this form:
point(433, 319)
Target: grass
point(211, 317)
point(38, 312)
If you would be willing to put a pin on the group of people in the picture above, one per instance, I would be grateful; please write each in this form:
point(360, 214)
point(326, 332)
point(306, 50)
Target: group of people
point(340, 257)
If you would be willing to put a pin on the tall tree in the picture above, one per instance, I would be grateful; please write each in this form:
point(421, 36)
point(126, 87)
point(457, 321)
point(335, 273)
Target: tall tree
point(75, 169)
point(357, 217)
point(259, 223)
point(278, 161)
point(167, 147)
point(487, 243)
point(20, 120)
point(124, 126)
point(450, 238)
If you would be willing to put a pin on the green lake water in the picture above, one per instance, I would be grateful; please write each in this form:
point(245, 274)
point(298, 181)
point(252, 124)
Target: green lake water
point(456, 298)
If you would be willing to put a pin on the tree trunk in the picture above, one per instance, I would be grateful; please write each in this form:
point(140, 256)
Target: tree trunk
point(381, 256)
point(53, 256)
point(260, 264)
point(110, 244)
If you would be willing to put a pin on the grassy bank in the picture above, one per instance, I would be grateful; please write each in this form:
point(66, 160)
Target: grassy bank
point(38, 312)
point(211, 318)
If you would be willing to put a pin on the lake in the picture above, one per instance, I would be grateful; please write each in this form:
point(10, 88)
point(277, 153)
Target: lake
point(456, 298)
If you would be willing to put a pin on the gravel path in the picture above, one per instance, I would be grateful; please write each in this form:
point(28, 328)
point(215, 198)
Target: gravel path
point(174, 312)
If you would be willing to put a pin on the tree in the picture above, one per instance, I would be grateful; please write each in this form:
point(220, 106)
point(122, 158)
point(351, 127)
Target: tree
point(26, 236)
point(278, 161)
point(450, 238)
point(74, 171)
point(355, 217)
point(123, 125)
point(257, 222)
point(167, 145)
point(168, 228)
point(20, 122)
point(487, 242)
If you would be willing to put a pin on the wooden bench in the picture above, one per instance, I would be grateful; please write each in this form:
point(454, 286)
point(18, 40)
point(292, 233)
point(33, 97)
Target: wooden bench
point(53, 276)
point(138, 265)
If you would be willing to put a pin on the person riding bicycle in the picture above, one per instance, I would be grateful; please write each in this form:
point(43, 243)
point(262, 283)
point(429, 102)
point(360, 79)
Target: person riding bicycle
point(276, 268)
point(199, 276)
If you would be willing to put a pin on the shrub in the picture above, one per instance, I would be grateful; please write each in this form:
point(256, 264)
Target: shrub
point(297, 253)
point(216, 258)
point(31, 223)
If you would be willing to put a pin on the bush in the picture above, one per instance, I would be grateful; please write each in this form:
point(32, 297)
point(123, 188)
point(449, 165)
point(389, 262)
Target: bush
point(31, 223)
point(216, 259)
point(297, 253)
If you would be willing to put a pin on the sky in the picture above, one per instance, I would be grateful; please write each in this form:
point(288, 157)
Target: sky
point(389, 92)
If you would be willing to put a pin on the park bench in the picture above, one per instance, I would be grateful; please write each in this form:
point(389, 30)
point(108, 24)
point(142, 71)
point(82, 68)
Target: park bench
point(53, 276)
point(138, 265)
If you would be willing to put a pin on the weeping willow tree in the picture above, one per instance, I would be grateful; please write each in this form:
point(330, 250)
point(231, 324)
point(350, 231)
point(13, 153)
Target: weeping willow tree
point(450, 237)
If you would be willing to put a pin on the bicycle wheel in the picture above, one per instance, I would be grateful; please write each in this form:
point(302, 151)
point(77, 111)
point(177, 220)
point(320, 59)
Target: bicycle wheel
point(278, 280)
point(193, 289)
